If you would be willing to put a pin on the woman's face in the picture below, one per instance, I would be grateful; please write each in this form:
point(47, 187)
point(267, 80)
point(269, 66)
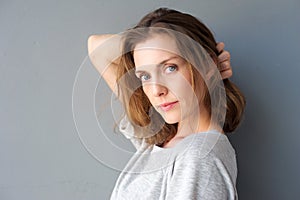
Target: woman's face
point(166, 78)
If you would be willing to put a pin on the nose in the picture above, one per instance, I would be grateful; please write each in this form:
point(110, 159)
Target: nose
point(158, 90)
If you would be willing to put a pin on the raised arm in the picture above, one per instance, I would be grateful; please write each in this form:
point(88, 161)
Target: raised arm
point(104, 49)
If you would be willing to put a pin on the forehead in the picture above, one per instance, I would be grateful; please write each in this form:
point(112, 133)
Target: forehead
point(154, 50)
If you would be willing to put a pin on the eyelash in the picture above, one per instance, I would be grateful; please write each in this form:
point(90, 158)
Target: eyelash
point(141, 76)
point(167, 67)
point(173, 66)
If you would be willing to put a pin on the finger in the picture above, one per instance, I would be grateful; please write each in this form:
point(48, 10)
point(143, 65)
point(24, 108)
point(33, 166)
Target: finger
point(224, 66)
point(220, 46)
point(226, 74)
point(224, 56)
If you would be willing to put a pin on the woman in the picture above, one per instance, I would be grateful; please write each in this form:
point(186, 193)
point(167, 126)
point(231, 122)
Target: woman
point(169, 88)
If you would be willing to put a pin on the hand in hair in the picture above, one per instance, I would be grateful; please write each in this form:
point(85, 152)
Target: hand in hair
point(110, 73)
point(224, 60)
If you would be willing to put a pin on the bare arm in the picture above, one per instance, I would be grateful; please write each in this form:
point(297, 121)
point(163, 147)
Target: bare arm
point(104, 49)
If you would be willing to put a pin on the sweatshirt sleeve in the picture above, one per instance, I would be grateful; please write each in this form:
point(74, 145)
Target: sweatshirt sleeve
point(126, 128)
point(201, 178)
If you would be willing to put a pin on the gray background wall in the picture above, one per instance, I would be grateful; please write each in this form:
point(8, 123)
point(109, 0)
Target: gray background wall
point(43, 43)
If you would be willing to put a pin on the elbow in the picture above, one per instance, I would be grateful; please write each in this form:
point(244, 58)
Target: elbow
point(91, 43)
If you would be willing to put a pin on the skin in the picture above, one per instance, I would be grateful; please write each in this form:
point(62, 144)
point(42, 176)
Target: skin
point(107, 69)
point(166, 78)
point(167, 82)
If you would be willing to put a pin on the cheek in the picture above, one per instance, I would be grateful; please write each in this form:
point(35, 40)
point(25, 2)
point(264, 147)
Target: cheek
point(147, 91)
point(181, 88)
point(201, 91)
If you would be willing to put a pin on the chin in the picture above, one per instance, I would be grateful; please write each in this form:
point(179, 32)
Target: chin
point(171, 120)
point(170, 117)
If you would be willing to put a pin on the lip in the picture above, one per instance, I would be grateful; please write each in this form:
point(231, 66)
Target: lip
point(168, 106)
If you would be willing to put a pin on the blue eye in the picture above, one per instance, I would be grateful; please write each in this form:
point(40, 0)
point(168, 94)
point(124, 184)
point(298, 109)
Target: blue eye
point(171, 68)
point(144, 77)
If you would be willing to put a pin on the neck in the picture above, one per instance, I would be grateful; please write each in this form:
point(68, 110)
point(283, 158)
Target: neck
point(191, 125)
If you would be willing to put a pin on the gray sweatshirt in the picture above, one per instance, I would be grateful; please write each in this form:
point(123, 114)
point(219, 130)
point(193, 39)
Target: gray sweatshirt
point(201, 166)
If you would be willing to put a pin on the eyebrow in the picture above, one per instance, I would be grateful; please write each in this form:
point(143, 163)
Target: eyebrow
point(162, 62)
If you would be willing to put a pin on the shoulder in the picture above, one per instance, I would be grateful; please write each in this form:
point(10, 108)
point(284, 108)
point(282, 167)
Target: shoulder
point(207, 151)
point(206, 144)
point(206, 169)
